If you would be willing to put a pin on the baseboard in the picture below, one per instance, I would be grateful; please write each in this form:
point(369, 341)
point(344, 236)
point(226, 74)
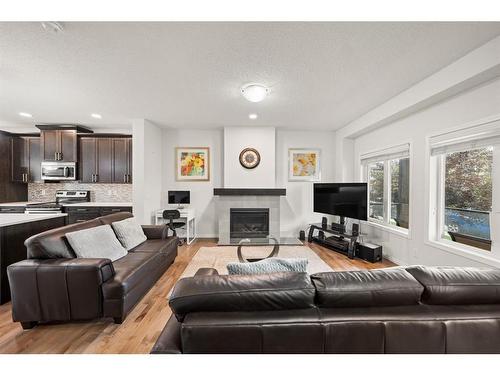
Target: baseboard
point(397, 261)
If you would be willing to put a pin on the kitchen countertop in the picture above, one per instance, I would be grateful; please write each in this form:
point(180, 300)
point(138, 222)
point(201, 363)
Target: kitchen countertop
point(79, 204)
point(13, 219)
point(99, 204)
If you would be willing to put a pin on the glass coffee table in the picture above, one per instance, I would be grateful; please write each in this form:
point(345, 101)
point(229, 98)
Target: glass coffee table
point(267, 241)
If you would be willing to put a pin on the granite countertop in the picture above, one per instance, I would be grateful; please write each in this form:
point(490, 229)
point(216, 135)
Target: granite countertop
point(16, 204)
point(13, 219)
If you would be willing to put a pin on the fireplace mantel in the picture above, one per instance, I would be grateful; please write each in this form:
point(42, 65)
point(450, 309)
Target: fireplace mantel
point(249, 191)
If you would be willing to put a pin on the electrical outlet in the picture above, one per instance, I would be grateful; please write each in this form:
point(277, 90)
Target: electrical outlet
point(44, 192)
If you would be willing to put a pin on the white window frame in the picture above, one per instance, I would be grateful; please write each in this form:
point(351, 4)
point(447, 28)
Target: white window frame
point(474, 135)
point(396, 152)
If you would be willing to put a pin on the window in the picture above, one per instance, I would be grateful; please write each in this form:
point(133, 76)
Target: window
point(388, 176)
point(465, 168)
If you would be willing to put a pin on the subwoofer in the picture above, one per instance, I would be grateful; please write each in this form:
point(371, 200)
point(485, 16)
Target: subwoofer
point(369, 252)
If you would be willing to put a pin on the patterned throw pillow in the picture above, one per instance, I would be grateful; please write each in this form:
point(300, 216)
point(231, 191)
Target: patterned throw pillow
point(270, 265)
point(129, 233)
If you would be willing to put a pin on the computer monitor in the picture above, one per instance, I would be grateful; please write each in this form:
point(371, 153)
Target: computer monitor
point(179, 197)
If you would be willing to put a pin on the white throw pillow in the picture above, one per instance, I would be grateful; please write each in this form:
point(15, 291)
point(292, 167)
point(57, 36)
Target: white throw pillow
point(98, 242)
point(129, 233)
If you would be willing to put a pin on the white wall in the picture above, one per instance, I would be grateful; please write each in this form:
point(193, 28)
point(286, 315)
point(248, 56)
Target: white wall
point(296, 207)
point(263, 139)
point(475, 104)
point(147, 166)
point(202, 197)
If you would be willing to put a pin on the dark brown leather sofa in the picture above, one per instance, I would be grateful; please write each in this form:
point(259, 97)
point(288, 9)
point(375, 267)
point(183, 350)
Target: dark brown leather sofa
point(401, 310)
point(54, 285)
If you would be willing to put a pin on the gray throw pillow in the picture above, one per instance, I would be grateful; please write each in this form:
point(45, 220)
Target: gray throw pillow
point(129, 233)
point(98, 242)
point(270, 265)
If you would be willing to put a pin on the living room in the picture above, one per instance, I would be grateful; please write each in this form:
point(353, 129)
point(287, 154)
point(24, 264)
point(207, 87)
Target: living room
point(176, 186)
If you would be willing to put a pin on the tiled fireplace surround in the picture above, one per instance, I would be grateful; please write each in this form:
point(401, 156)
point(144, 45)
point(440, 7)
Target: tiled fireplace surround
point(225, 203)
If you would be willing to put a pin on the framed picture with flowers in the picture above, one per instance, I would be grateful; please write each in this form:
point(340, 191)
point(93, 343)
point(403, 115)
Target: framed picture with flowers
point(304, 164)
point(192, 163)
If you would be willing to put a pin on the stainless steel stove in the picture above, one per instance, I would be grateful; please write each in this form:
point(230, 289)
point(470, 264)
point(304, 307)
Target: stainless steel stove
point(62, 196)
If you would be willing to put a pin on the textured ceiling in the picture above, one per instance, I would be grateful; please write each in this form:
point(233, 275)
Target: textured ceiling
point(322, 75)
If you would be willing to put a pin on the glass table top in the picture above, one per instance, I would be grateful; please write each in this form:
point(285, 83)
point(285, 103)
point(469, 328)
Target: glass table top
point(260, 241)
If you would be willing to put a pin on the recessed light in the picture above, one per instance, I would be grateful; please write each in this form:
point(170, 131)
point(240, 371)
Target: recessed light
point(24, 114)
point(252, 116)
point(96, 115)
point(254, 92)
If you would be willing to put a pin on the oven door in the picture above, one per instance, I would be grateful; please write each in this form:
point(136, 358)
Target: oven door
point(58, 171)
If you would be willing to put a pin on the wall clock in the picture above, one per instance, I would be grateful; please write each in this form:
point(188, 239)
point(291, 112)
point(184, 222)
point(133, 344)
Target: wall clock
point(249, 158)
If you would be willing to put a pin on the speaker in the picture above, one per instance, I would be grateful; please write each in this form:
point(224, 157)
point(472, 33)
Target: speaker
point(302, 235)
point(321, 235)
point(324, 222)
point(370, 252)
point(355, 229)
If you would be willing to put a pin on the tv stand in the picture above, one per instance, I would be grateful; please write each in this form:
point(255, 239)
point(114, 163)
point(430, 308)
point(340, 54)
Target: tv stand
point(341, 241)
point(339, 227)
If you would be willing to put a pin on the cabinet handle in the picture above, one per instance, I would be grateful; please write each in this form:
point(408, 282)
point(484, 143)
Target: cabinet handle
point(96, 177)
point(124, 178)
point(60, 156)
point(92, 177)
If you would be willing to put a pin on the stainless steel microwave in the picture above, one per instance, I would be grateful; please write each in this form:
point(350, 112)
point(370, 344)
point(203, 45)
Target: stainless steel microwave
point(56, 170)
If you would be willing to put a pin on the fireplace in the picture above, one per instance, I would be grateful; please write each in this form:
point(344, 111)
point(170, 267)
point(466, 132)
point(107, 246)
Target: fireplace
point(249, 222)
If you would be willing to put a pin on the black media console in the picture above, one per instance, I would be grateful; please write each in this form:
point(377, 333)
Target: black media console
point(344, 243)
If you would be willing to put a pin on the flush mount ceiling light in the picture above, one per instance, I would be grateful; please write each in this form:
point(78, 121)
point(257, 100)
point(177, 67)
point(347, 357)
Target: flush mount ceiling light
point(52, 26)
point(254, 92)
point(252, 116)
point(24, 114)
point(96, 115)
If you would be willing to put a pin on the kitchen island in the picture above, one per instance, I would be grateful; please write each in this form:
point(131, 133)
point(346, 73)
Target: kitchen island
point(14, 230)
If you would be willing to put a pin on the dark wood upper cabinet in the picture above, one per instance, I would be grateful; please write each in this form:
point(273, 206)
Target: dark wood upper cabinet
point(26, 159)
point(59, 145)
point(105, 160)
point(88, 159)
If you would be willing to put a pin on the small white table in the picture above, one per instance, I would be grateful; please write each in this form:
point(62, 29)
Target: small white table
point(187, 216)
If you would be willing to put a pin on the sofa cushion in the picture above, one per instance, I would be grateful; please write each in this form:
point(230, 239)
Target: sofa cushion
point(458, 285)
point(276, 291)
point(157, 246)
point(53, 243)
point(97, 242)
point(129, 233)
point(110, 219)
point(130, 271)
point(270, 265)
point(392, 287)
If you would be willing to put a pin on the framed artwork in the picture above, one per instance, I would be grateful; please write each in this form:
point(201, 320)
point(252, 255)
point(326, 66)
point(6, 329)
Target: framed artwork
point(304, 164)
point(192, 163)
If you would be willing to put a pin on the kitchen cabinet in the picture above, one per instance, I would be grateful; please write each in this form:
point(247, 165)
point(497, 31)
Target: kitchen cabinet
point(105, 160)
point(59, 145)
point(80, 214)
point(26, 159)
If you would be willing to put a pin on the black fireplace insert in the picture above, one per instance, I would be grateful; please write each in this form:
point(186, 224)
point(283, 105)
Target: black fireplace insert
point(249, 222)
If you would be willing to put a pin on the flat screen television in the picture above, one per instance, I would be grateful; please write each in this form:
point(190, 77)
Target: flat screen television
point(178, 197)
point(342, 199)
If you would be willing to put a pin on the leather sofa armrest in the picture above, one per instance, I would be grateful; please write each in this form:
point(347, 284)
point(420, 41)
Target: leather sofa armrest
point(58, 289)
point(153, 232)
point(169, 341)
point(206, 272)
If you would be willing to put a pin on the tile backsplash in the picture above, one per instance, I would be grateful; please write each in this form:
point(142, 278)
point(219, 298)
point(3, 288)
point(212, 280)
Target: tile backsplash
point(46, 192)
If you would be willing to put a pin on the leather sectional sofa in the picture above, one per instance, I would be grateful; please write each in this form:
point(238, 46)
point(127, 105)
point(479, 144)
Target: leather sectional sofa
point(54, 285)
point(399, 310)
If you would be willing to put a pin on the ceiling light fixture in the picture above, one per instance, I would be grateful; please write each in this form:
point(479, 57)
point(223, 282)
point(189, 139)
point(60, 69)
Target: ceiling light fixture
point(254, 92)
point(24, 114)
point(252, 116)
point(96, 115)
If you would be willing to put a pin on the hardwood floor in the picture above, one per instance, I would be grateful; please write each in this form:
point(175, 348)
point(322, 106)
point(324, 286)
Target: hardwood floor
point(139, 331)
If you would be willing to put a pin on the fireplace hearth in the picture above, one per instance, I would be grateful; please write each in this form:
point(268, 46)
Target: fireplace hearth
point(249, 222)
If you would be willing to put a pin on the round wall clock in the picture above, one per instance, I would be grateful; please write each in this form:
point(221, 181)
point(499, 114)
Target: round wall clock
point(249, 158)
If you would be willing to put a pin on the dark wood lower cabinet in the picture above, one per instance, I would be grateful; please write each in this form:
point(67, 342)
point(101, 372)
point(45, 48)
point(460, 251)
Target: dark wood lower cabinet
point(80, 214)
point(12, 247)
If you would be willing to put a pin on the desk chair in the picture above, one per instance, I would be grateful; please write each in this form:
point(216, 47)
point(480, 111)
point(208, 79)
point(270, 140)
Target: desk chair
point(171, 215)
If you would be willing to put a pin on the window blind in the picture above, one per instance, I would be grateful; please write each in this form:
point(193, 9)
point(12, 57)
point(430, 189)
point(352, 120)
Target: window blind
point(484, 135)
point(397, 152)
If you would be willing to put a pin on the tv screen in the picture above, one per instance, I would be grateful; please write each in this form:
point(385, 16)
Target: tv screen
point(178, 197)
point(341, 199)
